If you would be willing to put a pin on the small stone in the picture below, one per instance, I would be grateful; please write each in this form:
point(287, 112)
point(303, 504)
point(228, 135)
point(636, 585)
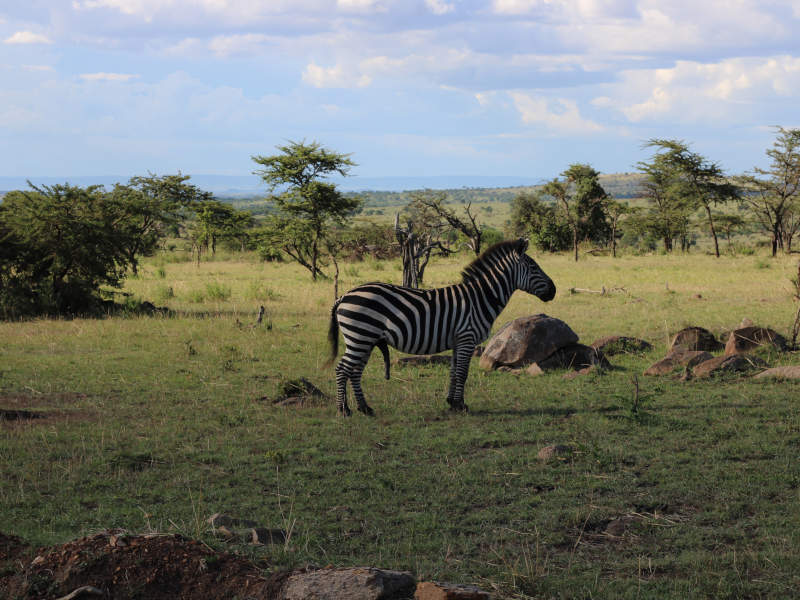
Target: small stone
point(434, 590)
point(679, 357)
point(555, 451)
point(726, 364)
point(262, 535)
point(358, 583)
point(218, 520)
point(224, 532)
point(786, 372)
point(575, 374)
point(616, 528)
point(534, 370)
point(746, 323)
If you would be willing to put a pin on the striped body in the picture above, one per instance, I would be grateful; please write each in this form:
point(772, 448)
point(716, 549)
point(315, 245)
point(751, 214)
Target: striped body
point(418, 321)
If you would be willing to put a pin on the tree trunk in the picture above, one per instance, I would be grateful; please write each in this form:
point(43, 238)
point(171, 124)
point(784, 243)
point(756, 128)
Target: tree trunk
point(614, 239)
point(713, 231)
point(575, 241)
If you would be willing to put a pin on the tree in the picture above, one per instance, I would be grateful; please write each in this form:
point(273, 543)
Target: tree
point(146, 208)
point(702, 182)
point(615, 211)
point(670, 205)
point(425, 233)
point(60, 244)
point(728, 224)
point(580, 198)
point(307, 206)
point(773, 193)
point(469, 227)
point(533, 217)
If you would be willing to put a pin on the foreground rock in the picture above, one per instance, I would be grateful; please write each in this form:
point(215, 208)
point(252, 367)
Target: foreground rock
point(526, 340)
point(695, 338)
point(788, 372)
point(574, 356)
point(357, 583)
point(620, 344)
point(679, 357)
point(554, 451)
point(747, 339)
point(726, 364)
point(433, 590)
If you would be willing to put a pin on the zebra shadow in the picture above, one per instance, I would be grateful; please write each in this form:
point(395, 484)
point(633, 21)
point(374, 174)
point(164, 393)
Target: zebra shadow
point(551, 411)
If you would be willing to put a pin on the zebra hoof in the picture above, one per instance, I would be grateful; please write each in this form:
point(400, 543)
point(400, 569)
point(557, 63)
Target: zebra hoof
point(344, 412)
point(463, 408)
point(367, 410)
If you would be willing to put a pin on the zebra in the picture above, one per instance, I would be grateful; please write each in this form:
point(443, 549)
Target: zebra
point(417, 321)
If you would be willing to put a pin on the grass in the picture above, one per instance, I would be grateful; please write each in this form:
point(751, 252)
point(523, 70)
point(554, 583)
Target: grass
point(156, 423)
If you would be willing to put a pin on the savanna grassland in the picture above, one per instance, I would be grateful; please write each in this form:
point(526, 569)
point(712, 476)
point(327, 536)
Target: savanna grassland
point(153, 423)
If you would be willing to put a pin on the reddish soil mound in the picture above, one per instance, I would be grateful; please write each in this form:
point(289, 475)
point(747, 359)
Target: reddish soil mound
point(130, 566)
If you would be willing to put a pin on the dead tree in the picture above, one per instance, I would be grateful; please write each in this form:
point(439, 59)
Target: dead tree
point(416, 249)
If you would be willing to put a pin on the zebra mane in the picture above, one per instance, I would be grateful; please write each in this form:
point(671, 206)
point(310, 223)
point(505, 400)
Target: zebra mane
point(489, 257)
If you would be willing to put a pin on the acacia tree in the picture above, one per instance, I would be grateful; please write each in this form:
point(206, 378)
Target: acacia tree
point(469, 227)
point(423, 235)
point(307, 207)
point(670, 205)
point(533, 217)
point(773, 194)
point(702, 183)
point(580, 197)
point(146, 207)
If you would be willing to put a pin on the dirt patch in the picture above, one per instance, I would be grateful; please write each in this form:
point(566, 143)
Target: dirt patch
point(130, 566)
point(19, 409)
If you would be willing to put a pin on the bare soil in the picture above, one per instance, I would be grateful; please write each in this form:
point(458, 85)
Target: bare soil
point(126, 566)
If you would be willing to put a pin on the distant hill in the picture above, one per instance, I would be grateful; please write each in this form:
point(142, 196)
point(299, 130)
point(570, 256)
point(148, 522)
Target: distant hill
point(377, 190)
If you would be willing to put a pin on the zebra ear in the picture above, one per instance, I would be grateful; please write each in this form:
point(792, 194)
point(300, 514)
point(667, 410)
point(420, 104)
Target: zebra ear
point(522, 245)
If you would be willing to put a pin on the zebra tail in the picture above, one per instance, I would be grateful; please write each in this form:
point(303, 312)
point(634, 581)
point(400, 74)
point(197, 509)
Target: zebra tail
point(333, 335)
point(384, 348)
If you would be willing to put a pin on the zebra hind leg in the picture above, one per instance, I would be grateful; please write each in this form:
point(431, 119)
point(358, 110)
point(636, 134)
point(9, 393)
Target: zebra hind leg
point(342, 375)
point(459, 369)
point(355, 379)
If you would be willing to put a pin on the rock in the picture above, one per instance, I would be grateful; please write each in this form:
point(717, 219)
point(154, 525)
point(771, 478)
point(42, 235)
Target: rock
point(695, 338)
point(356, 583)
point(298, 392)
point(579, 373)
point(620, 344)
point(534, 370)
point(677, 358)
point(554, 451)
point(478, 351)
point(725, 364)
point(574, 356)
point(433, 590)
point(745, 339)
point(218, 520)
point(616, 528)
point(423, 359)
point(526, 340)
point(787, 372)
point(746, 323)
point(262, 535)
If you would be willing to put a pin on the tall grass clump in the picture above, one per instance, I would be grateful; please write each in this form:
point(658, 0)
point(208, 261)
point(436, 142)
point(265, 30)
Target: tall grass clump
point(217, 291)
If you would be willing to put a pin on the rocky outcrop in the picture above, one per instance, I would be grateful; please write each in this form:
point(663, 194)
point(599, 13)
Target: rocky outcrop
point(747, 339)
point(695, 338)
point(526, 340)
point(620, 344)
point(726, 364)
point(678, 358)
point(354, 583)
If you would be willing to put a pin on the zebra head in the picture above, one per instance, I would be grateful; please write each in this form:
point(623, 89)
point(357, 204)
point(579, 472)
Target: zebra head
point(531, 278)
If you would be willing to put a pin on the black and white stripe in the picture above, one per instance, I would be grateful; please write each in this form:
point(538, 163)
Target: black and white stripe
point(428, 321)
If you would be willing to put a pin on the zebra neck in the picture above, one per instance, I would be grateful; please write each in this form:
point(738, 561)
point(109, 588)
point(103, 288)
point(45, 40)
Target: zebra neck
point(493, 293)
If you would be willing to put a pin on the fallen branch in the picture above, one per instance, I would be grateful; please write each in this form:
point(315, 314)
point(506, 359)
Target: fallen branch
point(603, 291)
point(89, 590)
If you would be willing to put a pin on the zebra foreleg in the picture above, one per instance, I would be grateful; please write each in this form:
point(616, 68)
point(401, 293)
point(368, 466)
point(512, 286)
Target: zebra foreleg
point(459, 369)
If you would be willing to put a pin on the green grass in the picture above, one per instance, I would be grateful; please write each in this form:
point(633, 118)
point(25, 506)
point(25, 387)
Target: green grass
point(156, 423)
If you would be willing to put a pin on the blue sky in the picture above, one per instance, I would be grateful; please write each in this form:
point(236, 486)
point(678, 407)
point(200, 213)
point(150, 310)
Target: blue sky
point(407, 87)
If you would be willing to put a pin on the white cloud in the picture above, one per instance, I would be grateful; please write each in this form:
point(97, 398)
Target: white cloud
point(244, 43)
point(334, 77)
point(107, 76)
point(557, 114)
point(28, 37)
point(360, 5)
point(694, 91)
point(439, 7)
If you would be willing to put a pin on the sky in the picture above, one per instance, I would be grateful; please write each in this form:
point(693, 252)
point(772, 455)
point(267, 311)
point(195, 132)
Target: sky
point(406, 87)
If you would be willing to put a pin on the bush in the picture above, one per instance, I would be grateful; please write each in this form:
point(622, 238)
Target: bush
point(218, 291)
